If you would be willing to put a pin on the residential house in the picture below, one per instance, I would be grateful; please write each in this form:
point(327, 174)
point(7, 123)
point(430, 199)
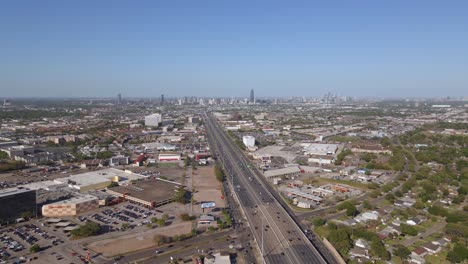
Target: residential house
point(432, 248)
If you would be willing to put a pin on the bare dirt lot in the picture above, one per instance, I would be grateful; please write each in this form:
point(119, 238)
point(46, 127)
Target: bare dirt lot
point(207, 187)
point(175, 174)
point(134, 242)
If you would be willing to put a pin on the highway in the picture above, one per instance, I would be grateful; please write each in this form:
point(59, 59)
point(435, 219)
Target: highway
point(278, 234)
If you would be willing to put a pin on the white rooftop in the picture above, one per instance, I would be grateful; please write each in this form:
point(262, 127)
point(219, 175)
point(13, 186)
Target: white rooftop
point(77, 199)
point(99, 176)
point(45, 185)
point(320, 149)
point(283, 171)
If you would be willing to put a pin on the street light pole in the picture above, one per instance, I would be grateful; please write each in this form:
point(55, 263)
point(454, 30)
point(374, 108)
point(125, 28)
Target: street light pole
point(263, 255)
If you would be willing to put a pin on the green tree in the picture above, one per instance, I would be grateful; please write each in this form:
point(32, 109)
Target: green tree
point(366, 205)
point(104, 155)
point(340, 240)
point(165, 217)
point(186, 217)
point(34, 248)
point(342, 155)
point(378, 249)
point(408, 230)
point(401, 251)
point(318, 222)
point(180, 196)
point(86, 230)
point(219, 173)
point(3, 155)
point(458, 254)
point(350, 208)
point(386, 142)
point(438, 210)
point(160, 239)
point(113, 184)
point(26, 215)
point(161, 222)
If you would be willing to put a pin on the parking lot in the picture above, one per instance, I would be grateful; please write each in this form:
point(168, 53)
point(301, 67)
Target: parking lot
point(49, 233)
point(16, 242)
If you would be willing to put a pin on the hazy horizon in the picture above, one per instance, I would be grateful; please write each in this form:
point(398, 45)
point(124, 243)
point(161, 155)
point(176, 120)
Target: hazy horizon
point(395, 49)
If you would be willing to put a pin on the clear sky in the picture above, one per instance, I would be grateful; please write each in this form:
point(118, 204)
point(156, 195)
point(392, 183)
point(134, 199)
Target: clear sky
point(225, 48)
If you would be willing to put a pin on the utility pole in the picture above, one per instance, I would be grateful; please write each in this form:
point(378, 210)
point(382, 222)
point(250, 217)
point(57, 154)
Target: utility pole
point(263, 255)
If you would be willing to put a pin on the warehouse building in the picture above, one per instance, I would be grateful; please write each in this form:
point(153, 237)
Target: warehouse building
point(320, 149)
point(321, 159)
point(16, 203)
point(150, 193)
point(286, 172)
point(71, 207)
point(95, 180)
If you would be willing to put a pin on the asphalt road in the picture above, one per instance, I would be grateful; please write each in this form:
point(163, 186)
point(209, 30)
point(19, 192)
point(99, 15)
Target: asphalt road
point(179, 249)
point(278, 235)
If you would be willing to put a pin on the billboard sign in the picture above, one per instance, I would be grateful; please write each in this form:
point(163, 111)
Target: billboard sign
point(207, 205)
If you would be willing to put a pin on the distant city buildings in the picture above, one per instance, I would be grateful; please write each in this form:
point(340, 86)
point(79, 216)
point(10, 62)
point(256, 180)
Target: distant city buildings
point(153, 120)
point(252, 97)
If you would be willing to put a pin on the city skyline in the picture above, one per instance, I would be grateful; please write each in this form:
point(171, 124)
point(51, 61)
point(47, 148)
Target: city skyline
point(396, 49)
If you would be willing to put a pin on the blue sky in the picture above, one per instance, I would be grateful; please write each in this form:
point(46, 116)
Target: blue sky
point(225, 48)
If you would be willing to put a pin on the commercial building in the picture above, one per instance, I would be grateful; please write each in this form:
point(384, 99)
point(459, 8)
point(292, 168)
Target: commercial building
point(150, 193)
point(16, 203)
point(322, 159)
point(18, 151)
point(319, 149)
point(249, 141)
point(169, 157)
point(71, 207)
point(152, 147)
point(95, 180)
point(193, 119)
point(369, 148)
point(287, 172)
point(119, 160)
point(153, 120)
point(298, 193)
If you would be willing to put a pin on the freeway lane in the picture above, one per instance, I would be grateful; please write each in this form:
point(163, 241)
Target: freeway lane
point(278, 236)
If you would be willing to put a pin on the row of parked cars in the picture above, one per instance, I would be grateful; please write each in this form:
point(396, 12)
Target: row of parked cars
point(137, 209)
point(116, 215)
point(10, 244)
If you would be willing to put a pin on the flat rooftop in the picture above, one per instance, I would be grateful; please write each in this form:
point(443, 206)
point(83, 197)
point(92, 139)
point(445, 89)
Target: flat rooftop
point(99, 176)
point(12, 191)
point(77, 199)
point(150, 190)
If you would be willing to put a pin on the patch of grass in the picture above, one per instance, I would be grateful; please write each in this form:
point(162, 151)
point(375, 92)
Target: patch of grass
point(439, 258)
point(321, 231)
point(168, 165)
point(322, 181)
